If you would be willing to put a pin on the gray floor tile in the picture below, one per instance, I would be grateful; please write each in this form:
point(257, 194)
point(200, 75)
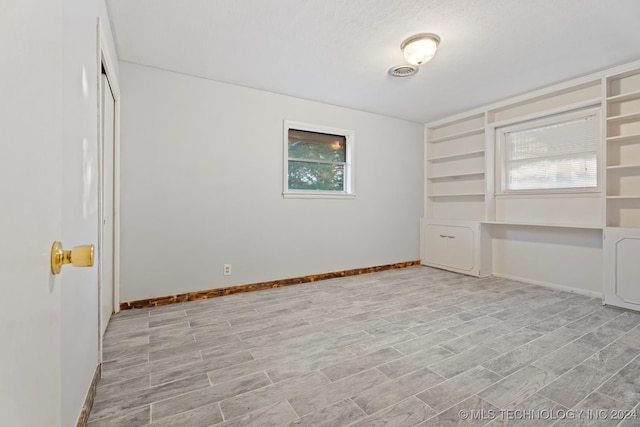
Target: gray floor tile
point(131, 400)
point(207, 395)
point(381, 338)
point(564, 359)
point(392, 392)
point(408, 364)
point(407, 413)
point(612, 358)
point(574, 386)
point(450, 392)
point(202, 416)
point(472, 412)
point(536, 411)
point(624, 386)
point(361, 363)
point(599, 338)
point(278, 414)
point(135, 418)
point(459, 363)
point(425, 342)
point(251, 401)
point(338, 414)
point(514, 360)
point(318, 398)
point(516, 387)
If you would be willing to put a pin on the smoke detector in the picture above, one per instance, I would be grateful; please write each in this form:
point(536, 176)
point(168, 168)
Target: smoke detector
point(404, 70)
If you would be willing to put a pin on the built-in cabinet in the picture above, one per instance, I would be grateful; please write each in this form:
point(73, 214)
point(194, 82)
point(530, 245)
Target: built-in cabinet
point(452, 247)
point(463, 205)
point(621, 267)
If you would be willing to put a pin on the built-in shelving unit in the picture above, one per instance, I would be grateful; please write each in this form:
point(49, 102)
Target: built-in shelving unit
point(455, 169)
point(471, 225)
point(623, 149)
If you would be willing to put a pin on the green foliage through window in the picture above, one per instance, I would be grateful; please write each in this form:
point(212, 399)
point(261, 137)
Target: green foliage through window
point(317, 161)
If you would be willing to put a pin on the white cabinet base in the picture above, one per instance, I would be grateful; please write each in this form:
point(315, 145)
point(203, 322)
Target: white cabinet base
point(452, 246)
point(622, 267)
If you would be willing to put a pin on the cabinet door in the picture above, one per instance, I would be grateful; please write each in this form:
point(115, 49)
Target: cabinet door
point(460, 248)
point(435, 244)
point(622, 268)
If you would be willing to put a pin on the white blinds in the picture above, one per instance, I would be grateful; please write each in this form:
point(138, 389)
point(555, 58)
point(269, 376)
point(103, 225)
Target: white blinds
point(561, 155)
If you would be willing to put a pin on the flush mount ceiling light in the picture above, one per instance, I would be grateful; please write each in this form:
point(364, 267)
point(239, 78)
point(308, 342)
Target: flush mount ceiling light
point(420, 48)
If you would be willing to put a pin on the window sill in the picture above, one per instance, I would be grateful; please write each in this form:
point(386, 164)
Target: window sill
point(317, 195)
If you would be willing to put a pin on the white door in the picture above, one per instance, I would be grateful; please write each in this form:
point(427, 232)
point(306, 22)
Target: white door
point(106, 240)
point(621, 267)
point(30, 212)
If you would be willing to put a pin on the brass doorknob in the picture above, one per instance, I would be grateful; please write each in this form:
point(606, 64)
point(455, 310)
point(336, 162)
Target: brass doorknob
point(79, 256)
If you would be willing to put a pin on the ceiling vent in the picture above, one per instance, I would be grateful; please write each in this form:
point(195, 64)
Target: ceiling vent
point(404, 70)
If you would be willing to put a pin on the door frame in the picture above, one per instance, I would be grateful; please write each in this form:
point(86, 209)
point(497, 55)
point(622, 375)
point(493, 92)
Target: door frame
point(105, 61)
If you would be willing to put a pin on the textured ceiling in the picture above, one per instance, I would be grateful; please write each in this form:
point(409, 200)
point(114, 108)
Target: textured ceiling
point(339, 51)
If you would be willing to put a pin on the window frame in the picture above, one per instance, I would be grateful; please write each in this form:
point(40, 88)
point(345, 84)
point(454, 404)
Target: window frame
point(349, 187)
point(501, 160)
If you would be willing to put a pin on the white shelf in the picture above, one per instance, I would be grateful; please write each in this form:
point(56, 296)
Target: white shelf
point(456, 195)
point(623, 138)
point(456, 175)
point(624, 97)
point(624, 117)
point(533, 224)
point(476, 131)
point(618, 167)
point(456, 156)
point(623, 197)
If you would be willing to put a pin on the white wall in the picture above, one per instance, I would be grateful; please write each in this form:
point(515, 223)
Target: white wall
point(201, 182)
point(80, 198)
point(552, 256)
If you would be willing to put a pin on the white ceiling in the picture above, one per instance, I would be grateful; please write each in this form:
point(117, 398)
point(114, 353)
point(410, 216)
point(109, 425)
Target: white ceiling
point(339, 51)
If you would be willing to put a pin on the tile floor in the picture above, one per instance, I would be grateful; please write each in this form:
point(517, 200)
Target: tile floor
point(417, 346)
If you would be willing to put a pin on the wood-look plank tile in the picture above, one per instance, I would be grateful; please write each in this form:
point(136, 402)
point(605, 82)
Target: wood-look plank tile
point(207, 395)
point(408, 413)
point(338, 414)
point(392, 392)
point(339, 390)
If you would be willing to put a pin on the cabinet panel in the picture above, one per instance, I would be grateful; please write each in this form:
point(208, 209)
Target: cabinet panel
point(451, 247)
point(622, 270)
point(435, 244)
point(460, 248)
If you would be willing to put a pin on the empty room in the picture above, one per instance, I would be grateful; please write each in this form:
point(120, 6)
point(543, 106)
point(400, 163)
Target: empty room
point(320, 213)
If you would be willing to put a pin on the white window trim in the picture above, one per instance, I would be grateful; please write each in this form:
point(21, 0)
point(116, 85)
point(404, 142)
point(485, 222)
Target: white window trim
point(501, 190)
point(349, 175)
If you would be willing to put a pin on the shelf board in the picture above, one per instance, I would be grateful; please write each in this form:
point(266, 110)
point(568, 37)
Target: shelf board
point(456, 156)
point(623, 197)
point(470, 132)
point(618, 167)
point(455, 175)
point(456, 195)
point(624, 117)
point(624, 97)
point(533, 224)
point(623, 138)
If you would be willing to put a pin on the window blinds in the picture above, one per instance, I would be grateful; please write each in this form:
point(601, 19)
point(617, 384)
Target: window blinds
point(562, 155)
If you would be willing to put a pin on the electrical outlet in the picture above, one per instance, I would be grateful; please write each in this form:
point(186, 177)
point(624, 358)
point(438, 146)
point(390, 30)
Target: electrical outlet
point(226, 270)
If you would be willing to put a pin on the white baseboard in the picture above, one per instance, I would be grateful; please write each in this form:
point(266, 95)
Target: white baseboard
point(555, 286)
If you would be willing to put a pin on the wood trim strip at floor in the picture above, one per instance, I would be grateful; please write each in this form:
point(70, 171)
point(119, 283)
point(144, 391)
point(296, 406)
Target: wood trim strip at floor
point(213, 293)
point(83, 419)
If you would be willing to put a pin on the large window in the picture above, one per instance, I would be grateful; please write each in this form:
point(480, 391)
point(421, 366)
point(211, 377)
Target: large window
point(318, 161)
point(554, 154)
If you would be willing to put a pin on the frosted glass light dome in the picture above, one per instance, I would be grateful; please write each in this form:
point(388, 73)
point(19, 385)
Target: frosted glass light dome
point(420, 48)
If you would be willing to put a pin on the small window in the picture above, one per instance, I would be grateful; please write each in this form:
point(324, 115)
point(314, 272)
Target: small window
point(555, 154)
point(318, 161)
